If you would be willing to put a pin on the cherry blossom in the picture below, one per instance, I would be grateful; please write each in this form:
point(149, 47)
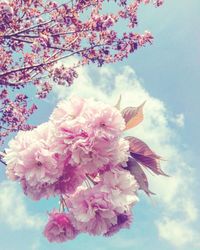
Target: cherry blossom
point(81, 156)
point(59, 228)
point(92, 211)
point(57, 31)
point(89, 136)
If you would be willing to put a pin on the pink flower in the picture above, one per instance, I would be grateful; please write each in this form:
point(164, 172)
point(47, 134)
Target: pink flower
point(81, 142)
point(67, 111)
point(92, 211)
point(103, 120)
point(59, 228)
point(91, 139)
point(94, 154)
point(31, 159)
point(104, 209)
point(71, 178)
point(37, 191)
point(123, 221)
point(123, 152)
point(97, 154)
point(121, 187)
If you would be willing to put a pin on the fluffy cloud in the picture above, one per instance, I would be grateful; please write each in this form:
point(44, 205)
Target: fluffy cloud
point(177, 232)
point(13, 211)
point(179, 120)
point(35, 245)
point(175, 194)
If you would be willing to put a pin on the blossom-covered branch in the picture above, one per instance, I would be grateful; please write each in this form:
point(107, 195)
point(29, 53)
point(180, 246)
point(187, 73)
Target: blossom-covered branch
point(36, 34)
point(14, 114)
point(28, 28)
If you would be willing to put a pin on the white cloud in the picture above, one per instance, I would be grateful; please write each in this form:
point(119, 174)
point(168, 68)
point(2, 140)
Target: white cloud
point(179, 120)
point(13, 211)
point(174, 194)
point(177, 232)
point(35, 246)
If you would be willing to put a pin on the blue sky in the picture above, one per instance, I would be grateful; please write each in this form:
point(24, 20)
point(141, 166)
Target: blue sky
point(167, 76)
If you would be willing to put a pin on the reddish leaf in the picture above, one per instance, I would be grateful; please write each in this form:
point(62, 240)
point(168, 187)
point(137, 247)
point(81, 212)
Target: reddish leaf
point(133, 116)
point(144, 155)
point(137, 146)
point(136, 170)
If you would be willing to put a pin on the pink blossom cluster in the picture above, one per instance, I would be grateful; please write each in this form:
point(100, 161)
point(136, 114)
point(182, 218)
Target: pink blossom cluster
point(103, 209)
point(81, 156)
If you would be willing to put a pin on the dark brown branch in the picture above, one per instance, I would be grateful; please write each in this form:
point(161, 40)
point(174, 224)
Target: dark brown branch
point(30, 42)
point(3, 162)
point(1, 155)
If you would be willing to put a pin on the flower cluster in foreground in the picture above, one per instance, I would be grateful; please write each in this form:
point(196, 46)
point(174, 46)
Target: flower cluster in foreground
point(81, 156)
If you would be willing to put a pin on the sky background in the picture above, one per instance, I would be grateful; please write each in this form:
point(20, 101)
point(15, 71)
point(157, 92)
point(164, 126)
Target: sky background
point(167, 76)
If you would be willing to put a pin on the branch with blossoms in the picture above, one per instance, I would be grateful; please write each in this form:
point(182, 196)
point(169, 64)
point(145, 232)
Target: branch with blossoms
point(36, 34)
point(28, 28)
point(13, 114)
point(81, 155)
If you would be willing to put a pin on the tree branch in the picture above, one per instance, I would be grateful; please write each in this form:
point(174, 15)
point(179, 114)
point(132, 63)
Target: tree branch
point(27, 29)
point(1, 155)
point(47, 63)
